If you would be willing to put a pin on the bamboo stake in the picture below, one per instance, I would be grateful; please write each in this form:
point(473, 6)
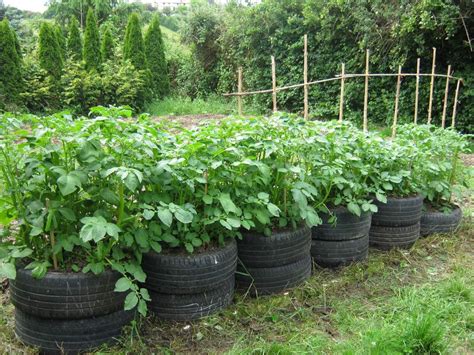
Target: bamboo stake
point(417, 88)
point(274, 88)
point(456, 95)
point(366, 92)
point(445, 104)
point(341, 101)
point(397, 97)
point(305, 77)
point(239, 89)
point(430, 104)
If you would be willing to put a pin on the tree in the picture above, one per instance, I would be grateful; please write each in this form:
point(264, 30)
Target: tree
point(91, 42)
point(17, 45)
point(49, 51)
point(134, 48)
point(155, 56)
point(10, 64)
point(107, 45)
point(74, 41)
point(61, 41)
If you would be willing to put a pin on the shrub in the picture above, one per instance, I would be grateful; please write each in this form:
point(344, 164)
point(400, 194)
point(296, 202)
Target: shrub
point(61, 41)
point(49, 51)
point(91, 55)
point(74, 41)
point(10, 65)
point(107, 45)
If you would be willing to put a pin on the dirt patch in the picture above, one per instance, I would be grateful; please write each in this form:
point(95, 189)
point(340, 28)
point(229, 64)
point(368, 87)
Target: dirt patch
point(189, 121)
point(468, 159)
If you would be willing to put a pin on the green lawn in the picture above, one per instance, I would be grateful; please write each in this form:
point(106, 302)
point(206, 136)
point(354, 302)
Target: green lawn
point(417, 301)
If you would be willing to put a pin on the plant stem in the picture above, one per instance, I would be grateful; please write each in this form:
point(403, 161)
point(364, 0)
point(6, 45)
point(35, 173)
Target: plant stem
point(53, 243)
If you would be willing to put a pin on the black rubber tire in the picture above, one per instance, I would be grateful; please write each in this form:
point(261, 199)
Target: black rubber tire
point(339, 252)
point(192, 273)
point(281, 248)
point(398, 212)
point(347, 226)
point(267, 281)
point(192, 306)
point(66, 295)
point(70, 336)
point(439, 222)
point(386, 238)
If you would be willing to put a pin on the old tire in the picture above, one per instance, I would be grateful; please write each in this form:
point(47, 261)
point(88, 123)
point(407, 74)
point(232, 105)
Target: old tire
point(339, 252)
point(385, 238)
point(347, 226)
point(266, 281)
point(439, 222)
point(66, 295)
point(190, 273)
point(70, 336)
point(281, 248)
point(186, 307)
point(398, 212)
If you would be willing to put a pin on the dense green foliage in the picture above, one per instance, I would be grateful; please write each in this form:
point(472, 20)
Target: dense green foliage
point(10, 65)
point(74, 40)
point(92, 56)
point(107, 45)
point(155, 55)
point(134, 47)
point(49, 51)
point(61, 42)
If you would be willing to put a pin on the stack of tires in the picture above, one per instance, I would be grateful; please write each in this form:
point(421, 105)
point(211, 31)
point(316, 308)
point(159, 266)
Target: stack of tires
point(189, 286)
point(66, 312)
point(397, 223)
point(342, 242)
point(436, 222)
point(272, 264)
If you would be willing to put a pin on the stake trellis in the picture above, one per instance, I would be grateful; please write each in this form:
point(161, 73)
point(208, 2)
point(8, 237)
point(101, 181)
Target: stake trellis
point(343, 76)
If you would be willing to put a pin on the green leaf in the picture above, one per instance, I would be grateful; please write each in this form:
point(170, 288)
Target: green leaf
point(183, 216)
point(68, 184)
point(95, 232)
point(131, 301)
point(227, 203)
point(123, 284)
point(196, 242)
point(165, 216)
point(381, 197)
point(225, 224)
point(148, 214)
point(387, 186)
point(142, 308)
point(273, 209)
point(354, 208)
point(207, 199)
point(234, 222)
point(68, 214)
point(131, 181)
point(17, 253)
point(145, 295)
point(155, 246)
point(189, 247)
point(7, 270)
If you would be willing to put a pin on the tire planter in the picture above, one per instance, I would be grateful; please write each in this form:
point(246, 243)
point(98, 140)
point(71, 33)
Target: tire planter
point(398, 212)
point(272, 264)
point(69, 312)
point(433, 222)
point(397, 223)
point(341, 243)
point(185, 287)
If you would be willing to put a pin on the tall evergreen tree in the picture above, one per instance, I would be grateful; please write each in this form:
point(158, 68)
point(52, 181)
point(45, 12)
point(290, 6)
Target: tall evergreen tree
point(92, 42)
point(107, 45)
point(134, 48)
point(74, 41)
point(17, 45)
point(49, 51)
point(155, 55)
point(61, 41)
point(10, 63)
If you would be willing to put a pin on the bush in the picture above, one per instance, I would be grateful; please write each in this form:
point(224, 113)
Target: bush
point(10, 65)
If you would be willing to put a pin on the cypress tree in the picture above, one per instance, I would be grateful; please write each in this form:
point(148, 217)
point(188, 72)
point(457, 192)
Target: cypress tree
point(134, 48)
point(91, 42)
point(61, 41)
point(74, 41)
point(17, 45)
point(10, 63)
point(107, 45)
point(155, 55)
point(49, 51)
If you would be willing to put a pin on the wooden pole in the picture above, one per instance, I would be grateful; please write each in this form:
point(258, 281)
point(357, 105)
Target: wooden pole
point(397, 97)
point(239, 89)
point(456, 95)
point(341, 100)
point(445, 104)
point(274, 92)
point(305, 78)
point(417, 89)
point(366, 93)
point(430, 104)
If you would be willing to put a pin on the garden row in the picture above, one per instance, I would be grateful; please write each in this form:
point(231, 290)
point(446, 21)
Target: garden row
point(105, 212)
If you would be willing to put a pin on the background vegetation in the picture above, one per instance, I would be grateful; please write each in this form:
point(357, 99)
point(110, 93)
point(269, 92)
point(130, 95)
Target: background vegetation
point(205, 44)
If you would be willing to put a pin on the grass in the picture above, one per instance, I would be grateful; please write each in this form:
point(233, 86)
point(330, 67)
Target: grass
point(418, 301)
point(213, 105)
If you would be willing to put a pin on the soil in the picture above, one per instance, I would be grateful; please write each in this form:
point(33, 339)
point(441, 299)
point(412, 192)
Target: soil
point(468, 159)
point(206, 248)
point(189, 121)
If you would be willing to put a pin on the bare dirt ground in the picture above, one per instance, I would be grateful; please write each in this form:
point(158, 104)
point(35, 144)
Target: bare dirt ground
point(189, 121)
